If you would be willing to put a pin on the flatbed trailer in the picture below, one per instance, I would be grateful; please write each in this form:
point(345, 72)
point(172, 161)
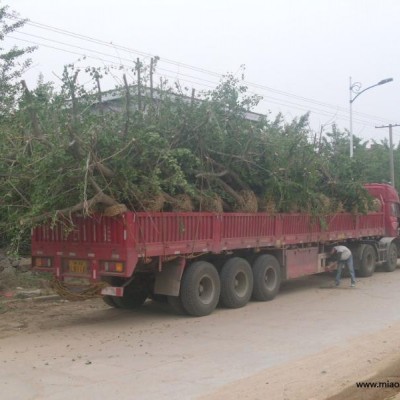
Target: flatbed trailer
point(196, 260)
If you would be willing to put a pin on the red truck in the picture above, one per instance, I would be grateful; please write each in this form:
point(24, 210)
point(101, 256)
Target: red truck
point(195, 260)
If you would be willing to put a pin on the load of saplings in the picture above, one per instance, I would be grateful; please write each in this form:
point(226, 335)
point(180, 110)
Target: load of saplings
point(147, 147)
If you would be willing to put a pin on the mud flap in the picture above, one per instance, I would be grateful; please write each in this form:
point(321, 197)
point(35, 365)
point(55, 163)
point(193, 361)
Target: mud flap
point(168, 280)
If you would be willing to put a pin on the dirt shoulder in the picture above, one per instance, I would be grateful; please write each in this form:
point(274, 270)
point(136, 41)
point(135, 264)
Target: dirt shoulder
point(328, 375)
point(43, 313)
point(306, 345)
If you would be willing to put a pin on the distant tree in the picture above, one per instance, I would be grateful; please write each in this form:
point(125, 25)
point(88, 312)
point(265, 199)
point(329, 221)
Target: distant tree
point(343, 177)
point(13, 61)
point(375, 159)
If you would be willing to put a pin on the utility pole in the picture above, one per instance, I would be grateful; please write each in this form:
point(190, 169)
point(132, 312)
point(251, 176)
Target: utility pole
point(390, 126)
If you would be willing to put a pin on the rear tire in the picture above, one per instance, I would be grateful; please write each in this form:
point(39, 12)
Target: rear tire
point(367, 261)
point(159, 298)
point(109, 300)
point(176, 304)
point(236, 283)
point(135, 294)
point(200, 288)
point(391, 264)
point(267, 277)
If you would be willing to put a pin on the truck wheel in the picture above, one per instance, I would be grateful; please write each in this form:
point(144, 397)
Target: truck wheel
point(159, 298)
point(391, 262)
point(236, 283)
point(267, 277)
point(176, 305)
point(109, 300)
point(367, 261)
point(135, 295)
point(130, 302)
point(200, 288)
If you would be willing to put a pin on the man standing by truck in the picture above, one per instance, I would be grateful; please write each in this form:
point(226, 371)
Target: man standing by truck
point(342, 256)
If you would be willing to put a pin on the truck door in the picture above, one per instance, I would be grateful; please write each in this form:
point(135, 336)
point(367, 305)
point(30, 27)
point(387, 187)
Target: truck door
point(395, 217)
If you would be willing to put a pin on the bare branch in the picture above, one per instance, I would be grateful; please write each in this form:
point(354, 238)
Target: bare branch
point(89, 204)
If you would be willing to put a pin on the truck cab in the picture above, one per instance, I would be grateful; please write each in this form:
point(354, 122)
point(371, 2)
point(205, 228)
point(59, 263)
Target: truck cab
point(390, 205)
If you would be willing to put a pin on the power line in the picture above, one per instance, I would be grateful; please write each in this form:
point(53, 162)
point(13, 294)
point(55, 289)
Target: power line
point(130, 50)
point(112, 45)
point(266, 99)
point(70, 45)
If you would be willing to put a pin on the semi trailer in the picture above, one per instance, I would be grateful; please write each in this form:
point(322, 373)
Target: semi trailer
point(197, 260)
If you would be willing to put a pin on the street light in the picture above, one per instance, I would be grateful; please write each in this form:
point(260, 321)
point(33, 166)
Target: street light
point(355, 88)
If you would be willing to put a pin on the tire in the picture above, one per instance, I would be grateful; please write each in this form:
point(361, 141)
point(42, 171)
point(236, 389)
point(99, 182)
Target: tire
point(159, 298)
point(391, 264)
point(367, 261)
point(267, 277)
point(200, 288)
point(135, 294)
point(236, 283)
point(176, 304)
point(109, 300)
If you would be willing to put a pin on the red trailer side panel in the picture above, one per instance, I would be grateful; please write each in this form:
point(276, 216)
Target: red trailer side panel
point(130, 236)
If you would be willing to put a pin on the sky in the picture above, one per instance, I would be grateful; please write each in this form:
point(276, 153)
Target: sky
point(298, 54)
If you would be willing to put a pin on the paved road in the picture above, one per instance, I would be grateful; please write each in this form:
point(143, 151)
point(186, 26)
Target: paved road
point(153, 354)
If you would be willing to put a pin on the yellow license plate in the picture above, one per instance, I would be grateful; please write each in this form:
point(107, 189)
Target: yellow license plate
point(77, 266)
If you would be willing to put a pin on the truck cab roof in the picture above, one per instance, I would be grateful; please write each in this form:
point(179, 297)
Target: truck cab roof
point(384, 190)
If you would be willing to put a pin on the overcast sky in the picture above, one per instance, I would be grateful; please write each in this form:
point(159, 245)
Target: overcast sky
point(301, 53)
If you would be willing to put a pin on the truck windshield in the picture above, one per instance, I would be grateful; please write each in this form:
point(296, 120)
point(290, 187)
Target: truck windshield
point(395, 208)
